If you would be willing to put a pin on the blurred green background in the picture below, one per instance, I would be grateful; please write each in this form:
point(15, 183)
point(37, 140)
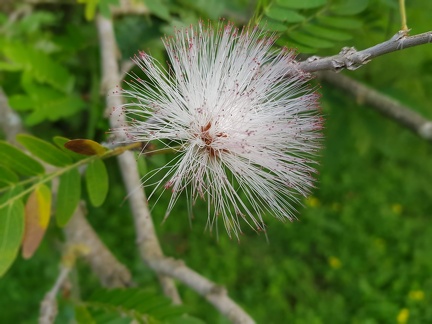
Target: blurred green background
point(361, 249)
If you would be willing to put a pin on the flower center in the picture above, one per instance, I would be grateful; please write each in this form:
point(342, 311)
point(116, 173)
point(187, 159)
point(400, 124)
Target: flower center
point(208, 140)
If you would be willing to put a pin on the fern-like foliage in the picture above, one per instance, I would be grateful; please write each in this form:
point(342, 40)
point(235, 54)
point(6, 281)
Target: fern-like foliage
point(130, 305)
point(33, 72)
point(25, 189)
point(311, 25)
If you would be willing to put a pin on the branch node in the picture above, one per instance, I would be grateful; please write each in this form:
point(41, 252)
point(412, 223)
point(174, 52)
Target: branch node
point(400, 35)
point(352, 59)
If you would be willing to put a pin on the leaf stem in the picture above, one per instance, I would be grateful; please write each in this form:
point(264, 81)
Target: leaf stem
point(403, 15)
point(37, 180)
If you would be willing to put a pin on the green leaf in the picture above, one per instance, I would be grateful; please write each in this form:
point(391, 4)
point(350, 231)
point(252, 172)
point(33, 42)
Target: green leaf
point(311, 25)
point(309, 40)
point(326, 33)
point(45, 103)
point(273, 25)
point(14, 159)
point(340, 22)
point(21, 102)
point(186, 319)
point(97, 182)
point(11, 233)
point(213, 9)
point(349, 7)
point(104, 7)
point(301, 4)
point(90, 8)
point(158, 8)
point(68, 196)
point(7, 177)
point(284, 15)
point(47, 152)
point(83, 316)
point(8, 66)
point(39, 65)
point(301, 48)
point(134, 303)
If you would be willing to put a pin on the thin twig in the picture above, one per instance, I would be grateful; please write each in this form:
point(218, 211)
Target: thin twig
point(389, 107)
point(147, 241)
point(48, 310)
point(351, 59)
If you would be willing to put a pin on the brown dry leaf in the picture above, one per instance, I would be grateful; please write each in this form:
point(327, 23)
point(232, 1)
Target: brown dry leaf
point(85, 147)
point(37, 214)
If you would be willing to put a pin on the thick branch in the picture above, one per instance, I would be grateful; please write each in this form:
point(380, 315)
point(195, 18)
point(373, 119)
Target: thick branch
point(104, 264)
point(351, 59)
point(385, 105)
point(215, 294)
point(147, 241)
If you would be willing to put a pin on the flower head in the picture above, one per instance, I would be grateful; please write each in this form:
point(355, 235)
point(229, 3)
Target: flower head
point(241, 116)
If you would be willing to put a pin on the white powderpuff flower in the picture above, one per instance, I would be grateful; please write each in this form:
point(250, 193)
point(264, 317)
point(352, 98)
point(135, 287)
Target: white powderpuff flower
point(244, 122)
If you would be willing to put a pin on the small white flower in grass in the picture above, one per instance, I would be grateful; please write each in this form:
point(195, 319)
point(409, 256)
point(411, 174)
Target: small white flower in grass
point(242, 117)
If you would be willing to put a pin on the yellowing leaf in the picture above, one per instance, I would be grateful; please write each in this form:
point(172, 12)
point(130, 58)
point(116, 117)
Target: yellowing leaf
point(37, 214)
point(85, 147)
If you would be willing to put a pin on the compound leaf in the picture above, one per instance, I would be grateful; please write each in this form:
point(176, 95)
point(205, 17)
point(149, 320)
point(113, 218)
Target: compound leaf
point(14, 159)
point(47, 152)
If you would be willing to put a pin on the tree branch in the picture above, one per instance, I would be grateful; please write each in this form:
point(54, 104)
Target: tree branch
point(388, 107)
point(48, 308)
point(104, 264)
point(351, 59)
point(215, 294)
point(147, 241)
